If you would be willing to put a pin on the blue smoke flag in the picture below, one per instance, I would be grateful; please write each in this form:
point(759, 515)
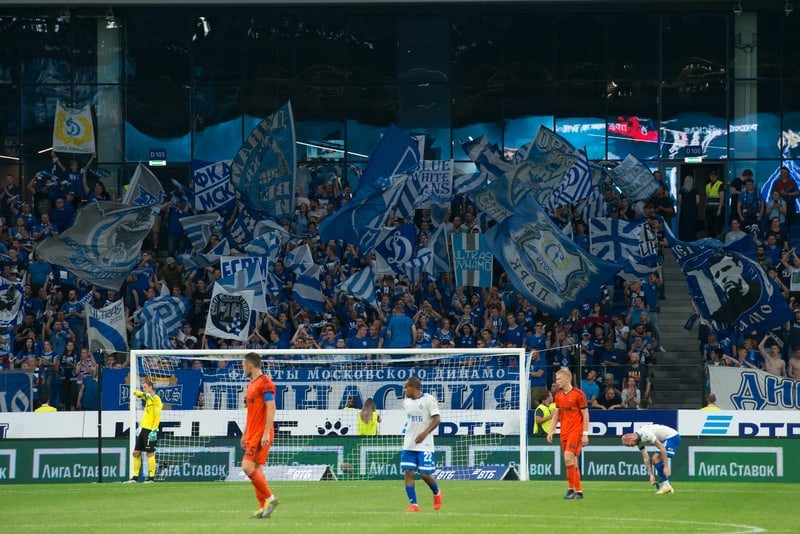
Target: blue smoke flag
point(396, 247)
point(634, 179)
point(307, 293)
point(107, 328)
point(159, 319)
point(551, 271)
point(263, 170)
point(472, 260)
point(361, 285)
point(104, 243)
point(199, 228)
point(728, 288)
point(144, 189)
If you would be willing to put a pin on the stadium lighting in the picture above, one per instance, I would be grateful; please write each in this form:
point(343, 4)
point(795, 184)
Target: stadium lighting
point(111, 21)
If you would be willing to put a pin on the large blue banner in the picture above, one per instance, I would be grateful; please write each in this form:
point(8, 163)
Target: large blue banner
point(178, 389)
point(16, 391)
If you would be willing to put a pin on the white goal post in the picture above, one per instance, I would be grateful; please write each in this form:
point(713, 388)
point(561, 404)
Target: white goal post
point(483, 396)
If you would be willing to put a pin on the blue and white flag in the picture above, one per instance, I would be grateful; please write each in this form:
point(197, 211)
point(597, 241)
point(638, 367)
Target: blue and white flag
point(104, 243)
point(213, 190)
point(551, 271)
point(307, 293)
point(10, 302)
point(576, 184)
point(159, 318)
point(144, 189)
point(361, 285)
point(396, 247)
point(729, 289)
point(229, 314)
point(181, 194)
point(467, 183)
point(240, 273)
point(431, 183)
point(243, 228)
point(199, 228)
point(263, 170)
point(472, 260)
point(299, 259)
point(201, 260)
point(268, 245)
point(439, 244)
point(418, 265)
point(634, 179)
point(488, 157)
point(619, 240)
point(73, 130)
point(594, 206)
point(361, 220)
point(273, 285)
point(269, 225)
point(107, 328)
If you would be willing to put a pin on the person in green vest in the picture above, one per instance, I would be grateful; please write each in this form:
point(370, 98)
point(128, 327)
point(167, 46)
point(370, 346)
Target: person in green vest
point(543, 416)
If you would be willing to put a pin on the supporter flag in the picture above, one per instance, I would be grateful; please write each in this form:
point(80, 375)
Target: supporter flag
point(107, 328)
point(199, 228)
point(437, 241)
point(240, 273)
point(472, 260)
point(299, 259)
point(467, 183)
point(263, 171)
point(307, 293)
point(488, 157)
point(576, 184)
point(395, 248)
point(361, 285)
point(201, 260)
point(728, 288)
point(243, 228)
point(430, 183)
point(73, 130)
point(268, 245)
point(103, 244)
point(213, 190)
point(361, 220)
point(268, 225)
point(418, 265)
point(10, 301)
point(495, 199)
point(181, 194)
point(273, 285)
point(159, 319)
point(144, 189)
point(229, 313)
point(634, 179)
point(619, 240)
point(551, 271)
point(594, 206)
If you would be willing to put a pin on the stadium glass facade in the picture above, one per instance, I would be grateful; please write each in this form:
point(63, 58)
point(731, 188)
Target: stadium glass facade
point(191, 81)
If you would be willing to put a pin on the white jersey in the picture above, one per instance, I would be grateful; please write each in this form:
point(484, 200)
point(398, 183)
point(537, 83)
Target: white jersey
point(419, 413)
point(648, 434)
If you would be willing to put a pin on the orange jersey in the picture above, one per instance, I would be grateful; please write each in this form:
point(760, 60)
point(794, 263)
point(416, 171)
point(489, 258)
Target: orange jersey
point(256, 406)
point(569, 412)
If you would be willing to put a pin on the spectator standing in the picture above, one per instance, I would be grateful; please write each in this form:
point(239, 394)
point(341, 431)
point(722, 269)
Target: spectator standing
point(688, 201)
point(715, 202)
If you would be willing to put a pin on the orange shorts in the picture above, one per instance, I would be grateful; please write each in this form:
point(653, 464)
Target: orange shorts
point(572, 444)
point(254, 452)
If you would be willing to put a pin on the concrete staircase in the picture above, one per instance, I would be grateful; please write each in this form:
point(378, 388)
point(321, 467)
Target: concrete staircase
point(677, 377)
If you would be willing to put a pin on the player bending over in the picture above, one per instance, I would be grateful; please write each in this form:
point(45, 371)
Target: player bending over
point(666, 440)
point(422, 418)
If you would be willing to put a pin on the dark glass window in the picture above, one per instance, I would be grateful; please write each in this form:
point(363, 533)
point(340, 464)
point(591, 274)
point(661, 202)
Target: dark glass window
point(159, 45)
point(370, 49)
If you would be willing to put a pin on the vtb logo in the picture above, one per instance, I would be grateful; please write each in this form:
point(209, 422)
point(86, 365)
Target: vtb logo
point(716, 425)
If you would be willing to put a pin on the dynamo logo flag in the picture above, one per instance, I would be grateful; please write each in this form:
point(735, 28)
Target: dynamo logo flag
point(550, 270)
point(73, 130)
point(634, 179)
point(106, 328)
point(159, 319)
point(103, 244)
point(729, 288)
point(263, 170)
point(472, 259)
point(144, 189)
point(395, 248)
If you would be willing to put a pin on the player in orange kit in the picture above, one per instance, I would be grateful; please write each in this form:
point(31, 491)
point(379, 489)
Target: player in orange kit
point(572, 413)
point(258, 433)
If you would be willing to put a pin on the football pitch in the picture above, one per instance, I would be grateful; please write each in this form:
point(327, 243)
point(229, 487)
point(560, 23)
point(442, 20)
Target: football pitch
point(379, 506)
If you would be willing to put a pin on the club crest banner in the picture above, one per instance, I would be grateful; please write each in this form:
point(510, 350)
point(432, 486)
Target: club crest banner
point(73, 130)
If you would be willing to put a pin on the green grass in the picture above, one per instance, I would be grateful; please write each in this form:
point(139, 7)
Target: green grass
point(379, 506)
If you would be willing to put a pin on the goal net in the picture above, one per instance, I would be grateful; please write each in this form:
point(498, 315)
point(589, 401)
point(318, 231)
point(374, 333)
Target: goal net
point(482, 396)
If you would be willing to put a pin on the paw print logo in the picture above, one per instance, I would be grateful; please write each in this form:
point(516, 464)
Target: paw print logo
point(332, 429)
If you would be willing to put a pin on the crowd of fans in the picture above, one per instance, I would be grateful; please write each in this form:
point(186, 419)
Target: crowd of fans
point(610, 341)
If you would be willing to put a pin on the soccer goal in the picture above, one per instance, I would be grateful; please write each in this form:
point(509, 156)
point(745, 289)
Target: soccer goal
point(482, 395)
